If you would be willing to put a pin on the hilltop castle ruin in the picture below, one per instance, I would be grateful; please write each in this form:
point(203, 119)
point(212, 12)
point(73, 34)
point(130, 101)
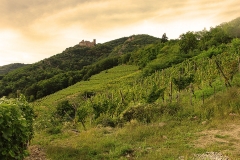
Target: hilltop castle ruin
point(88, 43)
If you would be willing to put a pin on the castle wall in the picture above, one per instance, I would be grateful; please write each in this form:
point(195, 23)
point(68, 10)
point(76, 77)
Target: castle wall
point(88, 43)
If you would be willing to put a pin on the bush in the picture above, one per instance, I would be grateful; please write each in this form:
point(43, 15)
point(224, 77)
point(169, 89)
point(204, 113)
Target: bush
point(106, 121)
point(65, 111)
point(142, 113)
point(16, 126)
point(170, 109)
point(149, 113)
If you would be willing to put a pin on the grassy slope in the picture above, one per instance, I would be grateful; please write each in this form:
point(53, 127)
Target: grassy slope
point(166, 138)
point(96, 83)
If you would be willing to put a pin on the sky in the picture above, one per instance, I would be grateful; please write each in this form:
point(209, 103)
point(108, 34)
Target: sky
point(32, 30)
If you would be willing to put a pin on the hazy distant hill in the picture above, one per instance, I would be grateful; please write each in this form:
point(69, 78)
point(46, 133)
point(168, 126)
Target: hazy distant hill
point(233, 27)
point(7, 68)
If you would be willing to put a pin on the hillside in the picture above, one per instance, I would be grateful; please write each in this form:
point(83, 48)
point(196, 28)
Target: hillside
point(72, 65)
point(124, 116)
point(79, 63)
point(142, 97)
point(170, 109)
point(7, 68)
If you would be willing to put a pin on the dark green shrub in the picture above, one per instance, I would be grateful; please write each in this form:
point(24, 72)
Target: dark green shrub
point(142, 113)
point(106, 121)
point(82, 113)
point(170, 109)
point(65, 111)
point(183, 81)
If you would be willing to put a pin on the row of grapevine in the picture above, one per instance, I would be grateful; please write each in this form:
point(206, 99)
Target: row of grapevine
point(190, 76)
point(16, 126)
point(189, 82)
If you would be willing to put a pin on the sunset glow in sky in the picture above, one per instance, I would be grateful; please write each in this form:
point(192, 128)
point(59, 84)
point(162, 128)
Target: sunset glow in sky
point(31, 30)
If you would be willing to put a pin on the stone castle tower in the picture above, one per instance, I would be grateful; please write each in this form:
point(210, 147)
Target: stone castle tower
point(88, 43)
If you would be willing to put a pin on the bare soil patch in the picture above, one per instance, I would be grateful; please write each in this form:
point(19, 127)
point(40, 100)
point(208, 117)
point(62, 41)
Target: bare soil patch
point(227, 138)
point(36, 153)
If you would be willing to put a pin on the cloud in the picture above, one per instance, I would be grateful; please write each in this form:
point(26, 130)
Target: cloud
point(22, 16)
point(46, 27)
point(40, 18)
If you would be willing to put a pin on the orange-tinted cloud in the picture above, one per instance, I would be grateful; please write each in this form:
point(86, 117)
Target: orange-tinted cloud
point(39, 18)
point(50, 23)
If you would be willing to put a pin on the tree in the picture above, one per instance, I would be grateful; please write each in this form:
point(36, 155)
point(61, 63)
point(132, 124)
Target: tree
point(203, 37)
point(164, 38)
point(188, 42)
point(82, 114)
point(214, 37)
point(236, 45)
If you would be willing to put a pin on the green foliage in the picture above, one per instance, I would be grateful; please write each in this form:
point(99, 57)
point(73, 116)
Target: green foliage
point(65, 111)
point(82, 114)
point(106, 121)
point(164, 38)
point(80, 63)
point(155, 94)
point(54, 130)
point(232, 28)
point(183, 82)
point(188, 42)
point(16, 125)
point(102, 65)
point(124, 59)
point(236, 45)
point(104, 106)
point(213, 51)
point(7, 68)
point(164, 61)
point(145, 55)
point(142, 113)
point(98, 109)
point(88, 94)
point(133, 43)
point(214, 37)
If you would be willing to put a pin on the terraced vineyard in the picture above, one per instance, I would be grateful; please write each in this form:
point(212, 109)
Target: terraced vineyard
point(128, 117)
point(97, 83)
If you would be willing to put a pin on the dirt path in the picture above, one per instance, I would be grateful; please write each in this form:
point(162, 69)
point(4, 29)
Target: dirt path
point(36, 153)
point(227, 138)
